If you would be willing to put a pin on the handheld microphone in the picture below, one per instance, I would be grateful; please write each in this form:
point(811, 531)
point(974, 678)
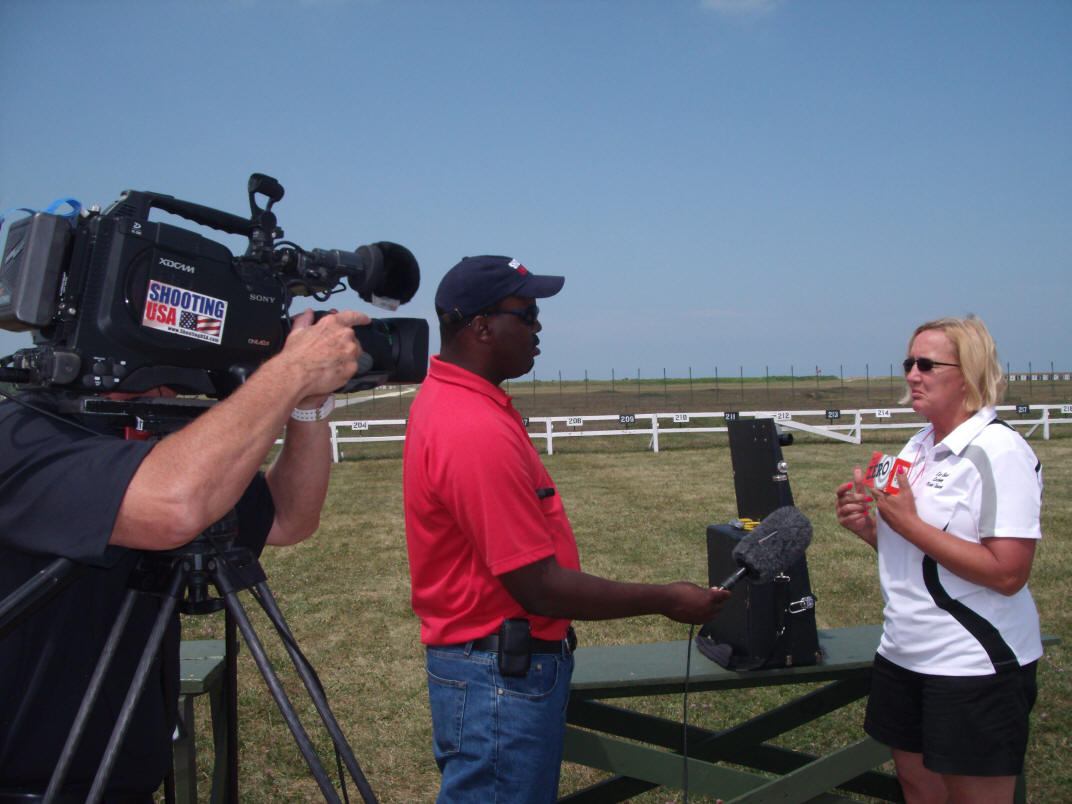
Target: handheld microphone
point(776, 544)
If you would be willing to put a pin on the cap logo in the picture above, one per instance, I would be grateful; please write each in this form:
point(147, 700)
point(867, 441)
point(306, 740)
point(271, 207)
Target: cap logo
point(517, 266)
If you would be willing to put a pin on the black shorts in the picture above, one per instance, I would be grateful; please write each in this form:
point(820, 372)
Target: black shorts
point(964, 725)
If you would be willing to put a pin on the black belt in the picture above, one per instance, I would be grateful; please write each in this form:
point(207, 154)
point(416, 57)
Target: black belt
point(568, 644)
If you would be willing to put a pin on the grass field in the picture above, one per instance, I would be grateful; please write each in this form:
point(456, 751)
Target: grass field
point(637, 516)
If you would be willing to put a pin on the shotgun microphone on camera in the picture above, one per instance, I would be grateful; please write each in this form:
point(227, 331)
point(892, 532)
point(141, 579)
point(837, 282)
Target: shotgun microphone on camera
point(776, 544)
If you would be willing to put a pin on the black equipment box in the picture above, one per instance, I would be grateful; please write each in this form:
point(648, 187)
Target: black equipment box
point(762, 625)
point(760, 474)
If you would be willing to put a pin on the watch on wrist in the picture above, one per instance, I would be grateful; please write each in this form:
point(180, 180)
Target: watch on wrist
point(314, 414)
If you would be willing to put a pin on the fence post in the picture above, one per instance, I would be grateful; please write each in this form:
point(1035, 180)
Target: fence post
point(549, 430)
point(334, 442)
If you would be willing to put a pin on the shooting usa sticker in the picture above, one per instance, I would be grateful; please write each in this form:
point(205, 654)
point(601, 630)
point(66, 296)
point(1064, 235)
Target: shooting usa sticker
point(184, 312)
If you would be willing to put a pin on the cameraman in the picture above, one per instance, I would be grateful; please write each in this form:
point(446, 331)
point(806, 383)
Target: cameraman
point(99, 500)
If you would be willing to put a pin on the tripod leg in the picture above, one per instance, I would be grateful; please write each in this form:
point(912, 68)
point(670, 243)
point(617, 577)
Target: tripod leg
point(137, 684)
point(37, 591)
point(74, 736)
point(234, 607)
point(316, 691)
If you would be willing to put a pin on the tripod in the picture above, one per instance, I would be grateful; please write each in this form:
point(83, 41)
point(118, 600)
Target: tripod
point(181, 578)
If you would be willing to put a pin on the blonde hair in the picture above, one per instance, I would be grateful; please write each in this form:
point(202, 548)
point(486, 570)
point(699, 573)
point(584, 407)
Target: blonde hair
point(977, 355)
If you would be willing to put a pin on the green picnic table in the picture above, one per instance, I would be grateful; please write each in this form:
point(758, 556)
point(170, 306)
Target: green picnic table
point(737, 764)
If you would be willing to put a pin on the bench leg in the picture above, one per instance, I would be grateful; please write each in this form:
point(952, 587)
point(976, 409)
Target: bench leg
point(184, 753)
point(221, 766)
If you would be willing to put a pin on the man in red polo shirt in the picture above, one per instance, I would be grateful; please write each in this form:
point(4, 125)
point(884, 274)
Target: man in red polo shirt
point(493, 562)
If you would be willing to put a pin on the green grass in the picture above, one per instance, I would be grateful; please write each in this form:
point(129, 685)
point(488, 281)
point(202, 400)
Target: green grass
point(637, 516)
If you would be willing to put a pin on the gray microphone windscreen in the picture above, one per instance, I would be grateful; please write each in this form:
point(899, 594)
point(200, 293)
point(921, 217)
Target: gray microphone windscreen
point(775, 545)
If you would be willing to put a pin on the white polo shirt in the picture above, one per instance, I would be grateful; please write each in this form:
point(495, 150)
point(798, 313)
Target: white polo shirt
point(982, 481)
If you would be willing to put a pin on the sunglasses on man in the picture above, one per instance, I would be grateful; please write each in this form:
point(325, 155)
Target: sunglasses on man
point(925, 364)
point(528, 314)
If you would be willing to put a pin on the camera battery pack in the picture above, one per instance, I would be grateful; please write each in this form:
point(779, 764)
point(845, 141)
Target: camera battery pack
point(30, 268)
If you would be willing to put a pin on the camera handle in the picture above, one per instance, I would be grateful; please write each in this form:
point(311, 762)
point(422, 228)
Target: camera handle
point(187, 571)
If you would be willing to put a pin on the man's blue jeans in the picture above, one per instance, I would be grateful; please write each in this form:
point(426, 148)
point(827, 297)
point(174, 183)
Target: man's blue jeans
point(498, 740)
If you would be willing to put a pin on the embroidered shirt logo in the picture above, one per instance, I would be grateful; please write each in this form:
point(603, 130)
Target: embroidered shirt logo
point(938, 481)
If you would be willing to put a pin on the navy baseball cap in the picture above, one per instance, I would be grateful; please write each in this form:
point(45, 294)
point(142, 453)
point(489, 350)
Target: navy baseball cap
point(478, 283)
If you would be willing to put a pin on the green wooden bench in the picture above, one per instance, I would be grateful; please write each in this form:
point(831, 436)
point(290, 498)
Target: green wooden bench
point(645, 752)
point(201, 670)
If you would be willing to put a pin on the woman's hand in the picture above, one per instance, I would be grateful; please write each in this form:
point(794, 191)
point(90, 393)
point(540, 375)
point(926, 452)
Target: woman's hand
point(898, 510)
point(854, 509)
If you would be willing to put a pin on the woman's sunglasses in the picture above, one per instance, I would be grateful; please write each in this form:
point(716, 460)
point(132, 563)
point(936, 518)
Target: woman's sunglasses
point(925, 364)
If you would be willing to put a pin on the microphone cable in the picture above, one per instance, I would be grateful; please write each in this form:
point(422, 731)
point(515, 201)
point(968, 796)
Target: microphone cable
point(685, 719)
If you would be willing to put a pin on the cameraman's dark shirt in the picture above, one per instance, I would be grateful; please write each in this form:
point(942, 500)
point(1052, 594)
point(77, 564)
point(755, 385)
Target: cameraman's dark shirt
point(60, 491)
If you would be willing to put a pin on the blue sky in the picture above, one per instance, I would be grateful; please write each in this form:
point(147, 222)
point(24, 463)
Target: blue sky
point(735, 185)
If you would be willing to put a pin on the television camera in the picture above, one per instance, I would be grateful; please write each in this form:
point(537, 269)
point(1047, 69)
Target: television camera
point(119, 303)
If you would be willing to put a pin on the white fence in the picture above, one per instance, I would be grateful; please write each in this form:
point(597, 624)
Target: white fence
point(840, 425)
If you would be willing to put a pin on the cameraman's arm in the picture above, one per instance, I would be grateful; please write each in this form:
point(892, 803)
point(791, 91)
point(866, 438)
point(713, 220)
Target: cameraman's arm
point(298, 479)
point(194, 477)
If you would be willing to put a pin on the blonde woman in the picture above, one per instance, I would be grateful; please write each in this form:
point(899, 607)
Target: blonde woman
point(954, 678)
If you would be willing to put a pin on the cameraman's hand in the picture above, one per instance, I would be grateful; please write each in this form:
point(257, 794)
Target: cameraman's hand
point(325, 353)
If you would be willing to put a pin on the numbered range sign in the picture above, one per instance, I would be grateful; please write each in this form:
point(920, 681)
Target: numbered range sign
point(574, 421)
point(359, 426)
point(681, 418)
point(882, 413)
point(626, 419)
point(1022, 410)
point(833, 415)
point(731, 415)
